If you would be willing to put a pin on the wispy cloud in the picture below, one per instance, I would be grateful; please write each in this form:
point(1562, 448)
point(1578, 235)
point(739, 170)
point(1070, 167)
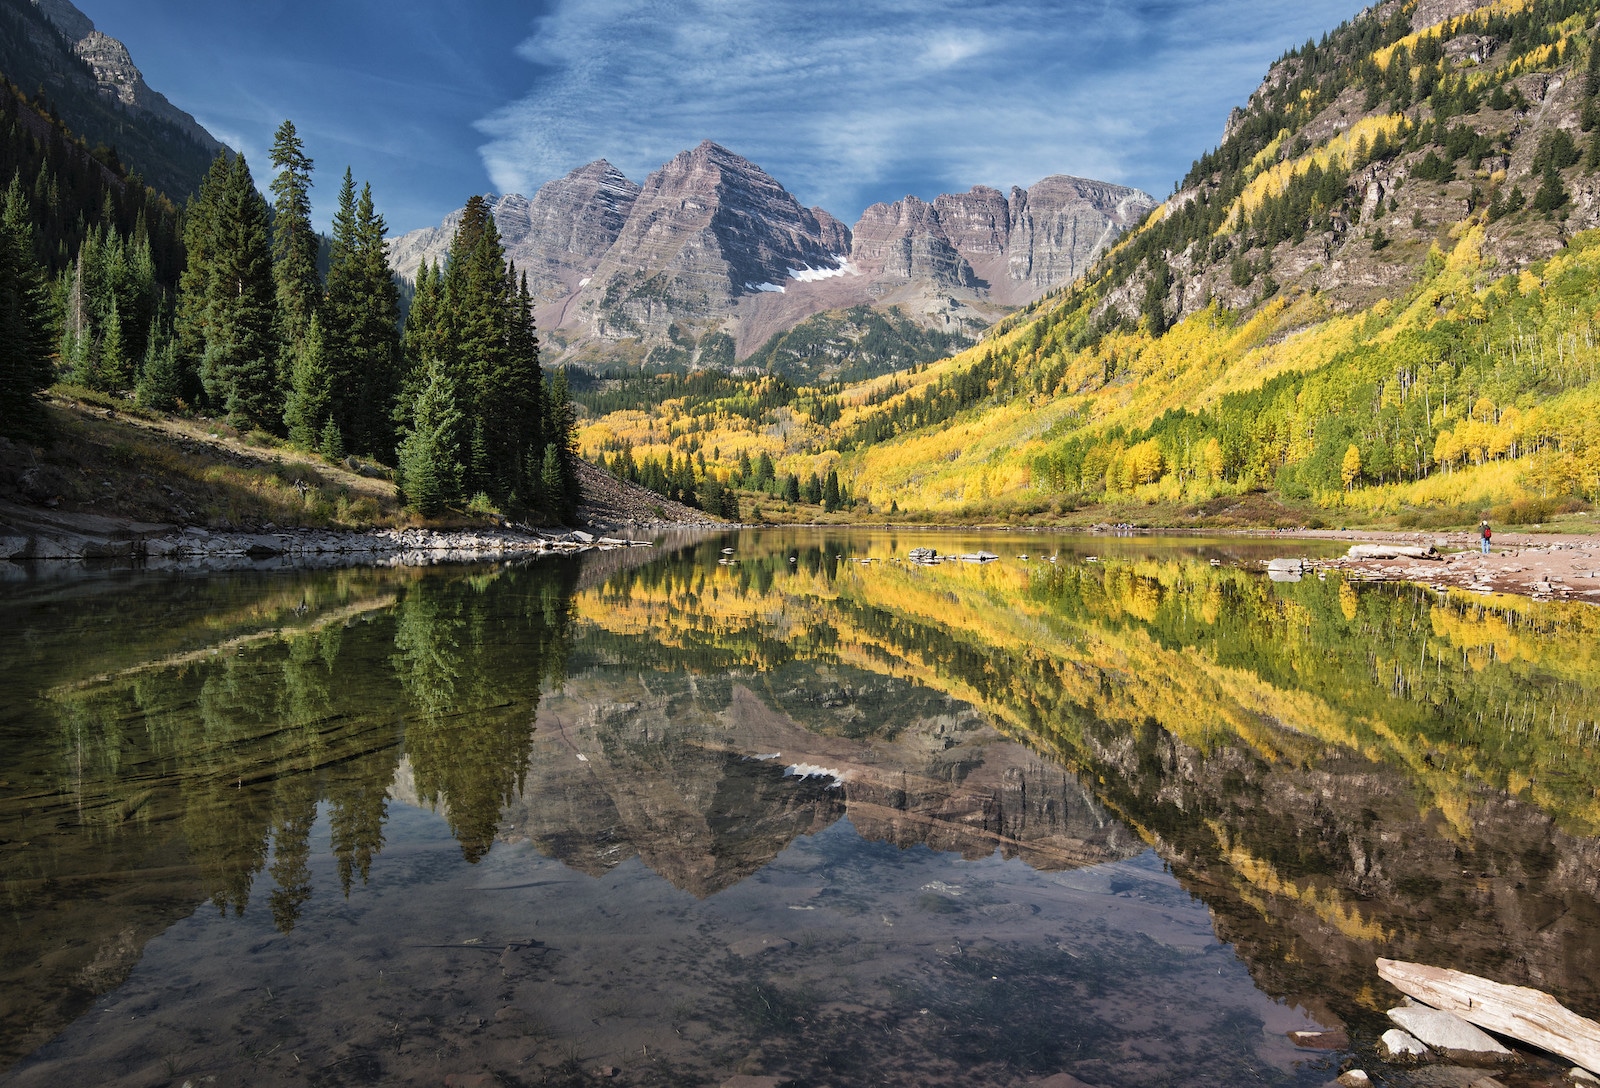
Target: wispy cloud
point(850, 101)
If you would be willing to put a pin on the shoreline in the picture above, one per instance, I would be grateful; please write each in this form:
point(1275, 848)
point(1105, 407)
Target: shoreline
point(1539, 566)
point(33, 540)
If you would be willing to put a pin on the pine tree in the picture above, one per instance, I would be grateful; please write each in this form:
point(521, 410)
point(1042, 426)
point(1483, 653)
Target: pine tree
point(831, 499)
point(476, 315)
point(294, 245)
point(160, 378)
point(192, 322)
point(331, 442)
point(239, 364)
point(560, 432)
point(115, 371)
point(25, 331)
point(523, 390)
point(552, 483)
point(363, 329)
point(424, 332)
point(1552, 193)
point(310, 402)
point(430, 455)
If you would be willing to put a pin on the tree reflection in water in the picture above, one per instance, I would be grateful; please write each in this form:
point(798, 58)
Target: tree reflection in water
point(1337, 770)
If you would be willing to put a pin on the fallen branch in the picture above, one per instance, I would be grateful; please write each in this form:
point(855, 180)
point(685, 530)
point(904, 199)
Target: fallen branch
point(1519, 1012)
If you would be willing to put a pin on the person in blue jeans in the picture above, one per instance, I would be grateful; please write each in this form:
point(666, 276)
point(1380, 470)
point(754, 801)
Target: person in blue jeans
point(1483, 531)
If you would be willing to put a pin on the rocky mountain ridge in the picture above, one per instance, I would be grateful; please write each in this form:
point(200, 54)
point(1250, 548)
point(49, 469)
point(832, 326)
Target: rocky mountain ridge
point(91, 79)
point(711, 257)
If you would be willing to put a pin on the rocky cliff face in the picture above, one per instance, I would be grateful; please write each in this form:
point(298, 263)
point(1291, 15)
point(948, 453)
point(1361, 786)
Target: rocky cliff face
point(1433, 12)
point(96, 89)
point(712, 243)
point(119, 79)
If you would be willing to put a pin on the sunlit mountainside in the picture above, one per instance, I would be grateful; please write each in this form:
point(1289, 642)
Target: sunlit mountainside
point(1379, 292)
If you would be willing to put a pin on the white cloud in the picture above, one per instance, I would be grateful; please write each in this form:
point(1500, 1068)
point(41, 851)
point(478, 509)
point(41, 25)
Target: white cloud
point(847, 102)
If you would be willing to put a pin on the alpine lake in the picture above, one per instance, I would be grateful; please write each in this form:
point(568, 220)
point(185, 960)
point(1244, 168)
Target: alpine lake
point(1124, 813)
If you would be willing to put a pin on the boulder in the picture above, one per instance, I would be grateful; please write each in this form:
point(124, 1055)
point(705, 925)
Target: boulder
point(1288, 566)
point(1355, 1078)
point(1398, 1047)
point(1448, 1033)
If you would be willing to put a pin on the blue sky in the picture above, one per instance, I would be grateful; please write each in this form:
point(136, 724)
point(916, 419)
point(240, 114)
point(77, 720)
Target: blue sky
point(845, 102)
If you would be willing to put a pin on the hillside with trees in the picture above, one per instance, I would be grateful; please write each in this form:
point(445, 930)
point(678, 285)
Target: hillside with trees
point(1376, 297)
point(218, 310)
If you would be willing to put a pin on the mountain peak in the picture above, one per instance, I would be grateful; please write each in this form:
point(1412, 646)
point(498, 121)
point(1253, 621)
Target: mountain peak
point(94, 86)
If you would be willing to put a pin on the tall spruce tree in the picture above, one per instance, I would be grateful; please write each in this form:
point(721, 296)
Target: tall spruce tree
point(424, 335)
point(227, 305)
point(309, 405)
point(294, 246)
point(560, 434)
point(523, 389)
point(363, 327)
point(192, 322)
point(429, 458)
point(476, 314)
point(25, 330)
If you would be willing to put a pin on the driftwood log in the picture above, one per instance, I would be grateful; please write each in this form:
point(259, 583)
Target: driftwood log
point(1517, 1011)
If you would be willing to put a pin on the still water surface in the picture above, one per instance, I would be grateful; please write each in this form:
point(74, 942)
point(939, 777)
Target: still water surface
point(1132, 818)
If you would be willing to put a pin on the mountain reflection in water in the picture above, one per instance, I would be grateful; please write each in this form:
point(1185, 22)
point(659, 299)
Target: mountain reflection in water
point(1333, 771)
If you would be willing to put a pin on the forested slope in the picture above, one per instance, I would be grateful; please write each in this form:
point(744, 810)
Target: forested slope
point(1376, 292)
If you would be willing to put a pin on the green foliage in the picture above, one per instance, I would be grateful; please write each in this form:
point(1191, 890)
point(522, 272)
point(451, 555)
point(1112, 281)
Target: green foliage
point(25, 330)
point(1552, 193)
point(160, 377)
point(851, 345)
point(310, 400)
point(363, 323)
point(1556, 151)
point(430, 456)
point(294, 244)
point(227, 299)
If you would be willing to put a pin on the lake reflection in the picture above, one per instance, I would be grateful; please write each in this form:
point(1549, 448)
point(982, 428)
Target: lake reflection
point(1130, 819)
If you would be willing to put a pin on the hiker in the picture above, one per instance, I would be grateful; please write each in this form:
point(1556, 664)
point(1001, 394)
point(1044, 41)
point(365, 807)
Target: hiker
point(1483, 531)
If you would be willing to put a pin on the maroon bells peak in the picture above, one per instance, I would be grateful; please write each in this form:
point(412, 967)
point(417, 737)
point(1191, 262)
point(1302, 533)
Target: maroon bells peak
point(711, 243)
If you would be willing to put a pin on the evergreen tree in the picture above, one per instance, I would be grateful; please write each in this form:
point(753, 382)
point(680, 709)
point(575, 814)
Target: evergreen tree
point(378, 322)
point(476, 314)
point(310, 402)
point(239, 364)
point(424, 333)
point(831, 498)
point(114, 373)
point(25, 331)
point(1552, 193)
point(522, 386)
point(552, 483)
point(791, 488)
point(331, 442)
point(560, 432)
point(430, 454)
point(192, 323)
point(160, 378)
point(294, 245)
